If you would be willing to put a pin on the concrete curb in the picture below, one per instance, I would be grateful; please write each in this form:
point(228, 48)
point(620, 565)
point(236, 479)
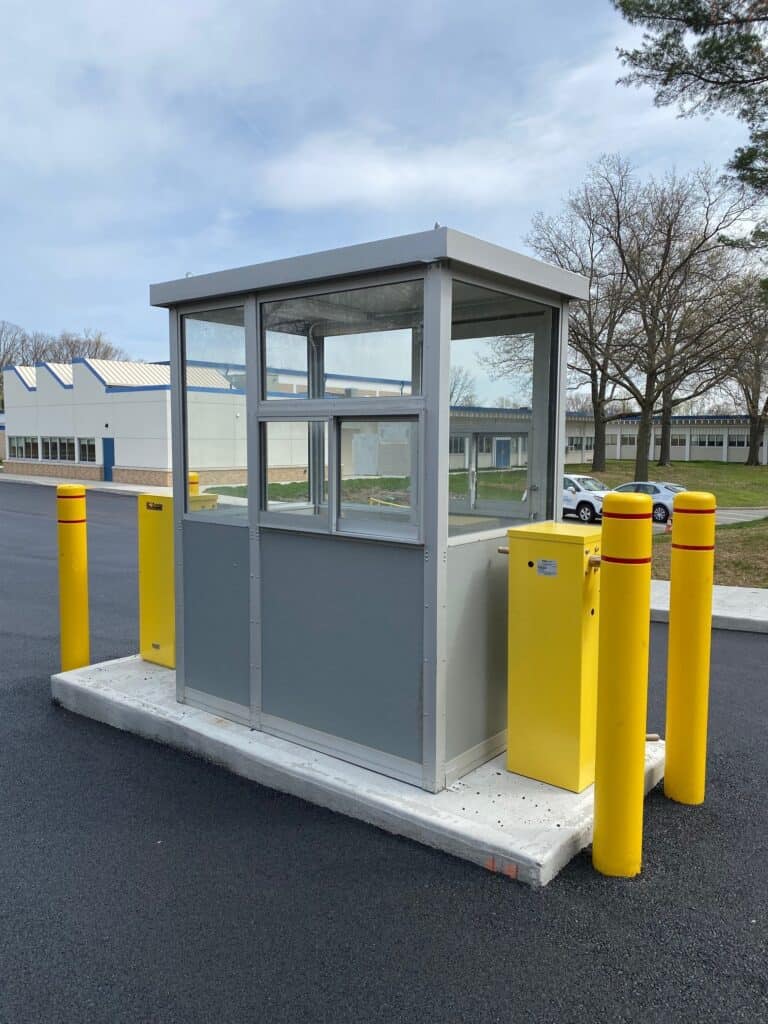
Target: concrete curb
point(741, 609)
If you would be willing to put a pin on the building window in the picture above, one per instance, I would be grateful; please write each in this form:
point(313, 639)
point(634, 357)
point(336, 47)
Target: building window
point(714, 440)
point(629, 440)
point(15, 447)
point(589, 443)
point(484, 444)
point(737, 440)
point(610, 439)
point(87, 449)
point(575, 444)
point(678, 441)
point(377, 476)
point(66, 449)
point(456, 444)
point(31, 448)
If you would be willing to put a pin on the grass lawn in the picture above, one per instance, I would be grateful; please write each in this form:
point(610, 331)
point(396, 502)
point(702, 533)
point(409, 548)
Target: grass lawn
point(741, 554)
point(359, 487)
point(733, 485)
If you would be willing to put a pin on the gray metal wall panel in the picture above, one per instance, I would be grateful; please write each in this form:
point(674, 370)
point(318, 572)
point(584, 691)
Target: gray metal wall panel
point(477, 644)
point(342, 624)
point(216, 610)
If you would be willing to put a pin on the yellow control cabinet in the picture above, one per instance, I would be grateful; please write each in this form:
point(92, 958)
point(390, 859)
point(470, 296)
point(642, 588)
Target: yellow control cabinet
point(552, 657)
point(157, 621)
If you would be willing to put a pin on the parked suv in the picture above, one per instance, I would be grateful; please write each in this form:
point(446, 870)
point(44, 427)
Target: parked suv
point(583, 497)
point(662, 495)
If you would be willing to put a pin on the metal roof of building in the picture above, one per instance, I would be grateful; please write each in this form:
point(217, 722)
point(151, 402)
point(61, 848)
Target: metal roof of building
point(28, 374)
point(125, 374)
point(61, 370)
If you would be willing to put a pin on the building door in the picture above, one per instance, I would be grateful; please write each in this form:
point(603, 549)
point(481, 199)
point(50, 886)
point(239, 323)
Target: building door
point(503, 452)
point(489, 474)
point(108, 450)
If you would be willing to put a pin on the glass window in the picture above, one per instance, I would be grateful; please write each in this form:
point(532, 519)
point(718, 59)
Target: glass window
point(45, 448)
point(66, 449)
point(589, 443)
point(31, 448)
point(456, 444)
point(289, 483)
point(214, 411)
point(678, 440)
point(610, 438)
point(361, 343)
point(492, 347)
point(714, 440)
point(485, 444)
point(737, 440)
point(626, 488)
point(629, 440)
point(378, 467)
point(87, 449)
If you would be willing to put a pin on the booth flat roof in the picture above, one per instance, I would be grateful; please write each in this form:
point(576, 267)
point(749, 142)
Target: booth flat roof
point(388, 253)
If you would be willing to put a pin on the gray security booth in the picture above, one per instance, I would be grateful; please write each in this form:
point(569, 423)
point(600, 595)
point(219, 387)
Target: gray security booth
point(366, 423)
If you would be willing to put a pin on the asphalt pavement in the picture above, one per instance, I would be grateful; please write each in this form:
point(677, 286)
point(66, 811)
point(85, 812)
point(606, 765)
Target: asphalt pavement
point(140, 884)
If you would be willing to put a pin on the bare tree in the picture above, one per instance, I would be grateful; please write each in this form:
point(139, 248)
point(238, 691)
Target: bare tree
point(669, 236)
point(576, 240)
point(462, 387)
point(10, 339)
point(749, 382)
point(90, 344)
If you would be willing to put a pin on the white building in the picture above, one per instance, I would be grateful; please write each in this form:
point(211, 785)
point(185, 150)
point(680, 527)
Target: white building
point(102, 419)
point(99, 419)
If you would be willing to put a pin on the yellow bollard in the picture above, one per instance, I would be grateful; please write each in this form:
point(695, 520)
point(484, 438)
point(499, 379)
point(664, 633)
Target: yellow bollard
point(622, 684)
point(690, 635)
point(194, 482)
point(73, 576)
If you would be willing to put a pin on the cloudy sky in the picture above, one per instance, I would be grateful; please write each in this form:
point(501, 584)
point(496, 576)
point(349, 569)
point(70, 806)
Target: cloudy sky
point(147, 140)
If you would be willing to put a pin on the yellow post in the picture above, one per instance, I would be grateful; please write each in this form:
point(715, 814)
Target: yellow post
point(690, 634)
point(194, 482)
point(622, 684)
point(73, 576)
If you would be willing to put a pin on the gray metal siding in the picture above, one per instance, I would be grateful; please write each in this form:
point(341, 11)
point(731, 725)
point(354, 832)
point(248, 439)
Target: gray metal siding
point(477, 644)
point(342, 624)
point(216, 610)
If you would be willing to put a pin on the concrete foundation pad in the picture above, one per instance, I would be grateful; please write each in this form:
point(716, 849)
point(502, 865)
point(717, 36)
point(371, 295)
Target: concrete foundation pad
point(523, 829)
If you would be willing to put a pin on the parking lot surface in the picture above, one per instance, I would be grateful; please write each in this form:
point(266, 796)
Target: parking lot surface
point(140, 884)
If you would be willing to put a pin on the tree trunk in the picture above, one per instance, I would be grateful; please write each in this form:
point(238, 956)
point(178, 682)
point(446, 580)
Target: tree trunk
point(756, 427)
point(665, 448)
point(598, 452)
point(643, 441)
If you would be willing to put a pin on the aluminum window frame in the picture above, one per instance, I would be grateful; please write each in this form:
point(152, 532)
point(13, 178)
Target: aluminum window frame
point(332, 410)
point(332, 286)
point(180, 446)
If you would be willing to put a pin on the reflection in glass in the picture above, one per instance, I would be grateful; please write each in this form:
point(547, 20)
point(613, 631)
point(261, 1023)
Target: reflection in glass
point(352, 344)
point(214, 403)
point(378, 460)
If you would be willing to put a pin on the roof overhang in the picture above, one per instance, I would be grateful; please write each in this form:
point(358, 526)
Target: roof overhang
point(441, 244)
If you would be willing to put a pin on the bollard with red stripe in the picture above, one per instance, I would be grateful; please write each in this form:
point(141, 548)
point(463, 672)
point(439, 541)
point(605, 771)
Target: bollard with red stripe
point(73, 577)
point(690, 634)
point(622, 684)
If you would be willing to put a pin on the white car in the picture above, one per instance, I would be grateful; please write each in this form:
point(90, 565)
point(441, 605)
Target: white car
point(583, 497)
point(662, 495)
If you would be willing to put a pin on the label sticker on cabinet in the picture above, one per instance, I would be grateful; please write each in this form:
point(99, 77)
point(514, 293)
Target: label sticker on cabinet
point(546, 567)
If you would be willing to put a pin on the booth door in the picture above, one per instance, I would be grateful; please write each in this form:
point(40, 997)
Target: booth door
point(489, 474)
